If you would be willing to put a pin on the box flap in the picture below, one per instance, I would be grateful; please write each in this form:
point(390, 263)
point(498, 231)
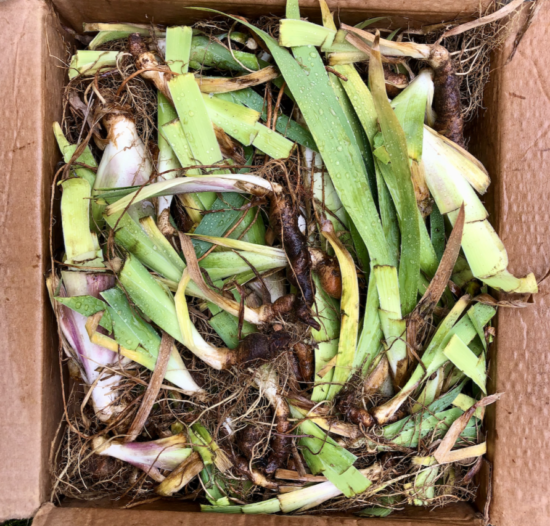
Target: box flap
point(514, 144)
point(29, 387)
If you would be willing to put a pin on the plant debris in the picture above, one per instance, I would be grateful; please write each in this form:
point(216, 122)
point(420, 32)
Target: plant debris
point(276, 288)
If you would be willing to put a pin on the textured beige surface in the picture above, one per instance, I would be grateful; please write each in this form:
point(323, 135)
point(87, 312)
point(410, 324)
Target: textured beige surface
point(520, 167)
point(29, 386)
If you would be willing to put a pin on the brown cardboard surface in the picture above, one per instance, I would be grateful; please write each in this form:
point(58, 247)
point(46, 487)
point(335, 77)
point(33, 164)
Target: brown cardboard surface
point(174, 11)
point(29, 391)
point(512, 139)
point(517, 153)
point(51, 516)
point(458, 512)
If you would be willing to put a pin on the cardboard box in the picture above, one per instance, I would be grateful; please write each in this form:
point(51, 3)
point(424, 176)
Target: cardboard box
point(512, 139)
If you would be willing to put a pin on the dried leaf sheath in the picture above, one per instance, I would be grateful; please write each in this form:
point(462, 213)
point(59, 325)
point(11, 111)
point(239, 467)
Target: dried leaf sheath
point(424, 309)
point(152, 389)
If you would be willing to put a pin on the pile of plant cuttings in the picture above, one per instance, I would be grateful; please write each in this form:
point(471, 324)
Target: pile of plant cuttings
point(278, 281)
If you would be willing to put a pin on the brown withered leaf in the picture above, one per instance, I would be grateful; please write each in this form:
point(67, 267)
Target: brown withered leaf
point(425, 307)
point(152, 389)
point(458, 427)
point(487, 299)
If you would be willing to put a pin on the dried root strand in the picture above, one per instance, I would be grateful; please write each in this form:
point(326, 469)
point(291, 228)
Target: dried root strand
point(102, 468)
